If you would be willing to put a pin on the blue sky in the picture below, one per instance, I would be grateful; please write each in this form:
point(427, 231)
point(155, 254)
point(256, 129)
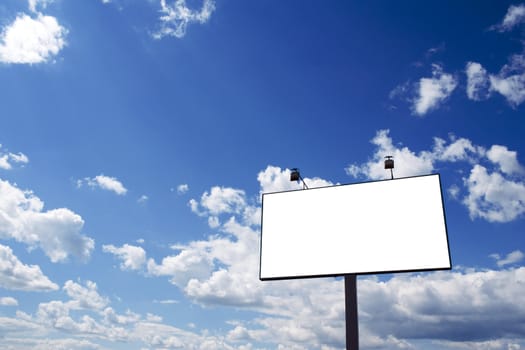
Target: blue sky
point(137, 137)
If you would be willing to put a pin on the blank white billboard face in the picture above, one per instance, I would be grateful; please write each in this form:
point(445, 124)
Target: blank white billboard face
point(373, 227)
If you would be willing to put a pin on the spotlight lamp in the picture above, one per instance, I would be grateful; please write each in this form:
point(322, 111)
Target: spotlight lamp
point(295, 175)
point(389, 164)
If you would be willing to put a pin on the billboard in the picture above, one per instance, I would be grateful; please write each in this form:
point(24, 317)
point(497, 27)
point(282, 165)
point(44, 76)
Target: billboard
point(373, 227)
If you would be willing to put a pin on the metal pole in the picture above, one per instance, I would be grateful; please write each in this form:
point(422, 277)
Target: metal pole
point(352, 327)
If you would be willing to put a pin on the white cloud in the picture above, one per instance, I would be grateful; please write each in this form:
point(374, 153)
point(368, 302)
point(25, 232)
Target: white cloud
point(84, 297)
point(478, 83)
point(454, 191)
point(29, 343)
point(510, 81)
point(104, 182)
point(515, 15)
point(214, 222)
point(143, 199)
point(16, 276)
point(223, 200)
point(42, 3)
point(8, 301)
point(445, 305)
point(493, 197)
point(275, 179)
point(499, 344)
point(86, 315)
point(4, 162)
point(309, 314)
point(176, 17)
point(192, 262)
point(431, 92)
point(511, 258)
point(7, 158)
point(31, 40)
point(57, 232)
point(222, 270)
point(111, 317)
point(458, 150)
point(132, 257)
point(407, 162)
point(505, 159)
point(511, 87)
point(182, 188)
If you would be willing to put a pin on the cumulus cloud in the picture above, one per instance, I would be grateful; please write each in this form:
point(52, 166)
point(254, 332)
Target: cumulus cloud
point(192, 262)
point(450, 308)
point(511, 258)
point(431, 92)
point(478, 83)
point(87, 314)
point(132, 257)
point(445, 305)
point(493, 197)
point(495, 187)
point(84, 297)
point(177, 16)
point(515, 15)
point(57, 232)
point(223, 200)
point(104, 182)
point(14, 275)
point(30, 40)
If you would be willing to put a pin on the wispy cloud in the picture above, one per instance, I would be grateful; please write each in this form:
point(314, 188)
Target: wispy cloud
point(515, 15)
point(7, 158)
point(142, 199)
point(510, 81)
point(478, 83)
point(511, 258)
point(104, 182)
point(177, 16)
point(33, 4)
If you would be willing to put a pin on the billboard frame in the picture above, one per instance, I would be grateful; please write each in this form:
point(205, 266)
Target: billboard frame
point(365, 272)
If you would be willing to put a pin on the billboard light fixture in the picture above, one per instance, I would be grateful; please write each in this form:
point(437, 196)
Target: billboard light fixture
point(389, 164)
point(295, 175)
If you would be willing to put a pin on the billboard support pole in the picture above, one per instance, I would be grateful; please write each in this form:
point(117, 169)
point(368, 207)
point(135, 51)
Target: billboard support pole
point(352, 327)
